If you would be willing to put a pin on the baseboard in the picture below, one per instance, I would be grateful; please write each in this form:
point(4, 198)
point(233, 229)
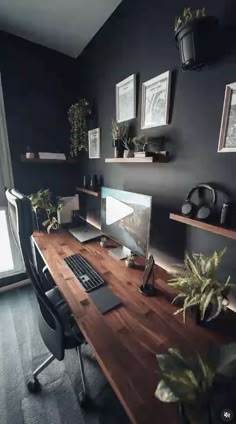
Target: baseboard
point(15, 285)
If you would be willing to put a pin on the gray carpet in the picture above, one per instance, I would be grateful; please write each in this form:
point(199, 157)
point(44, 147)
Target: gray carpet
point(21, 350)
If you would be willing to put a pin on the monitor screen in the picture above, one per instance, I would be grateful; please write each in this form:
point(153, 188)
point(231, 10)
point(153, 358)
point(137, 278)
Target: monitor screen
point(126, 217)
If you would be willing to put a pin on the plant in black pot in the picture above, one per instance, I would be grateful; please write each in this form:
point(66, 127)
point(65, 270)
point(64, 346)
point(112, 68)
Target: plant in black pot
point(119, 134)
point(200, 289)
point(202, 386)
point(46, 207)
point(197, 36)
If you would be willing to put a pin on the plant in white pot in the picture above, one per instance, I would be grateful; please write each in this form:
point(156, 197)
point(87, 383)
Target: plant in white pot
point(199, 384)
point(129, 147)
point(199, 287)
point(139, 146)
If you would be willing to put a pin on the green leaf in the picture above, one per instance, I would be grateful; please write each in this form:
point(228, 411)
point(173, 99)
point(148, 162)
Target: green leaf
point(164, 393)
point(205, 303)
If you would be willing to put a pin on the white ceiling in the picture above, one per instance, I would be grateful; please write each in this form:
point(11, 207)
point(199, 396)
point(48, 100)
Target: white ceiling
point(63, 25)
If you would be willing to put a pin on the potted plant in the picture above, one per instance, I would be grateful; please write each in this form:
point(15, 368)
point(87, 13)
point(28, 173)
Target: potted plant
point(46, 207)
point(139, 146)
point(119, 134)
point(196, 35)
point(198, 384)
point(78, 115)
point(129, 147)
point(199, 287)
point(130, 261)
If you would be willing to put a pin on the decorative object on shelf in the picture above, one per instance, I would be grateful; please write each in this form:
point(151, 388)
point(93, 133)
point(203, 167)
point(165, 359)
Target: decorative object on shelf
point(201, 385)
point(227, 139)
point(199, 287)
point(103, 241)
point(93, 185)
point(147, 288)
point(94, 140)
point(46, 207)
point(49, 155)
point(85, 181)
point(129, 147)
point(119, 134)
point(197, 38)
point(205, 209)
point(140, 144)
point(155, 101)
point(130, 261)
point(78, 115)
point(101, 181)
point(225, 213)
point(29, 154)
point(126, 99)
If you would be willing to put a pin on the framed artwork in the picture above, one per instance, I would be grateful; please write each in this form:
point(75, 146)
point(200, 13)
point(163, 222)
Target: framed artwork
point(94, 143)
point(155, 101)
point(227, 139)
point(126, 99)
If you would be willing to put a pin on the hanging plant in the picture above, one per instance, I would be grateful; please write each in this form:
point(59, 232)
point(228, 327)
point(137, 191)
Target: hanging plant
point(78, 114)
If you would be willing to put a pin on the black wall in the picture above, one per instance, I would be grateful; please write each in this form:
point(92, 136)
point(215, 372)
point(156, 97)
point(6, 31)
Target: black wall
point(139, 39)
point(37, 89)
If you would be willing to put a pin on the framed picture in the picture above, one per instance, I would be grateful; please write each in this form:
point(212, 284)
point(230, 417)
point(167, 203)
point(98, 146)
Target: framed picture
point(227, 140)
point(126, 99)
point(155, 101)
point(94, 143)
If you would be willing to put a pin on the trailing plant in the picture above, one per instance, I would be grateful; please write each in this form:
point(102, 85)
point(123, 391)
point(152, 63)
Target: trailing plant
point(119, 131)
point(140, 143)
point(45, 201)
point(193, 380)
point(78, 114)
point(200, 287)
point(188, 15)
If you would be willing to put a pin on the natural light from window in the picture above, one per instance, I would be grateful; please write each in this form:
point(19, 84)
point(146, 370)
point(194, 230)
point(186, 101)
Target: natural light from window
point(6, 259)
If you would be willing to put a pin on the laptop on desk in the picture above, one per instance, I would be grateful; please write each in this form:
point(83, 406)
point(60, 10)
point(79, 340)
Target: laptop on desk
point(85, 232)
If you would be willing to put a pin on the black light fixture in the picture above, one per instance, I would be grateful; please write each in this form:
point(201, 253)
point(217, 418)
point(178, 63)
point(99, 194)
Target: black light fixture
point(197, 37)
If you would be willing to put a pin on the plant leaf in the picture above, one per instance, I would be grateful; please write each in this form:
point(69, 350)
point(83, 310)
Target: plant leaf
point(164, 393)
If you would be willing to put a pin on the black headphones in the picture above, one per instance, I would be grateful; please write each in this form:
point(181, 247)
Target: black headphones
point(202, 211)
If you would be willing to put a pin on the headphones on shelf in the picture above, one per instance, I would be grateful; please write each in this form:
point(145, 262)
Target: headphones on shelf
point(202, 211)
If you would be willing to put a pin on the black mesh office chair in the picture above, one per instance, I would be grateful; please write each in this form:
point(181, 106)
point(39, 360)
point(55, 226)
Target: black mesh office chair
point(56, 324)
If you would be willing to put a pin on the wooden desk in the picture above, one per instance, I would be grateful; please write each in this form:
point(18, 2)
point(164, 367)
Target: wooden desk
point(126, 340)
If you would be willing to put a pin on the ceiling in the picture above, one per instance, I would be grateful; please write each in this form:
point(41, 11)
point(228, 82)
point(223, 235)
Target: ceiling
point(63, 25)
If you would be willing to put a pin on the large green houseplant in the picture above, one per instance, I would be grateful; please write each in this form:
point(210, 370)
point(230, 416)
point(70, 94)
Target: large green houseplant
point(45, 207)
point(197, 384)
point(199, 287)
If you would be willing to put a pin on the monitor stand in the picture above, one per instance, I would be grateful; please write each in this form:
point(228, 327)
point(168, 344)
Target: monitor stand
point(120, 252)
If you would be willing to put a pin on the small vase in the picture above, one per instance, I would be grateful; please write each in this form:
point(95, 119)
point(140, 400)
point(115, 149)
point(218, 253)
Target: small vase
point(128, 153)
point(118, 152)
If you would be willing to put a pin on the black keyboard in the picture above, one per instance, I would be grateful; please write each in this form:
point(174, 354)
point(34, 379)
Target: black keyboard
point(87, 276)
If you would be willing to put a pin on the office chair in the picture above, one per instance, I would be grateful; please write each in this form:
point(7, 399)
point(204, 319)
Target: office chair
point(56, 324)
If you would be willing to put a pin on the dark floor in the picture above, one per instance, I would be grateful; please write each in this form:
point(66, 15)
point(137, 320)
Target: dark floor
point(21, 350)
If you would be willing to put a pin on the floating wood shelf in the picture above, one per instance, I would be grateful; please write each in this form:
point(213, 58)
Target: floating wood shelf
point(86, 191)
point(213, 228)
point(37, 160)
point(136, 160)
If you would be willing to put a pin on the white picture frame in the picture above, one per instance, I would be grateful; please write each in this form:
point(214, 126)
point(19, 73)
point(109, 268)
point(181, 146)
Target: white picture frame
point(227, 138)
point(94, 141)
point(154, 91)
point(126, 99)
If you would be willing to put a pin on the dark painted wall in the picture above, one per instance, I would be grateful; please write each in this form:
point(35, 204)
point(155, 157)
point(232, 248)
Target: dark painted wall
point(139, 39)
point(37, 93)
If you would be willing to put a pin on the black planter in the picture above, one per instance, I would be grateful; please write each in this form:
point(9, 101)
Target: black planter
point(202, 415)
point(39, 217)
point(198, 42)
point(118, 148)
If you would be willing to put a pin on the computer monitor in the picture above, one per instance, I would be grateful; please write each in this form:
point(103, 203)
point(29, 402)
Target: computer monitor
point(125, 218)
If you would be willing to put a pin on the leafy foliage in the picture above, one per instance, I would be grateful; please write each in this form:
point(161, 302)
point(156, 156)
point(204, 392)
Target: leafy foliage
point(44, 200)
point(139, 143)
point(189, 14)
point(77, 115)
point(128, 143)
point(191, 379)
point(199, 285)
point(119, 131)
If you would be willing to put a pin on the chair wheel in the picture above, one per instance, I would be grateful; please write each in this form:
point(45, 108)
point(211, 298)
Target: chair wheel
point(83, 399)
point(34, 386)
